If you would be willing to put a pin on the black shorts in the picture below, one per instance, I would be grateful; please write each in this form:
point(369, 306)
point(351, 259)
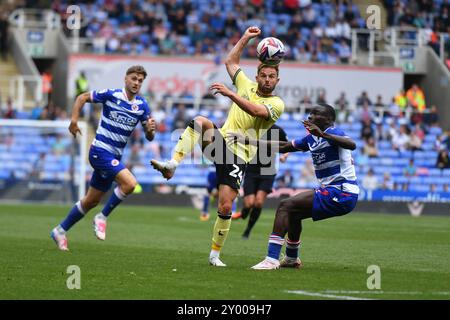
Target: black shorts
point(253, 182)
point(229, 167)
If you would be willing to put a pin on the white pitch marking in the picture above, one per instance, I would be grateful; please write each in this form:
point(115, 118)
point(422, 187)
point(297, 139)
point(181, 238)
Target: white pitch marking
point(317, 294)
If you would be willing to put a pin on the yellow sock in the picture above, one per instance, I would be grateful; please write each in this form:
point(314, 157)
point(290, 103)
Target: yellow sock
point(220, 233)
point(186, 143)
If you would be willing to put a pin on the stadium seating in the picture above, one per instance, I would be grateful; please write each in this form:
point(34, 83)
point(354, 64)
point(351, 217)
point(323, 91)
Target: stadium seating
point(20, 158)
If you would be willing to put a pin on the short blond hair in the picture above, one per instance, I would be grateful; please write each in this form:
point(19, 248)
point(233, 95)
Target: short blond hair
point(262, 65)
point(137, 69)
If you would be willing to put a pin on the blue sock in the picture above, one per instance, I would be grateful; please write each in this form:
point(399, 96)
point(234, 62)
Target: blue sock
point(75, 215)
point(275, 244)
point(292, 248)
point(115, 199)
point(205, 204)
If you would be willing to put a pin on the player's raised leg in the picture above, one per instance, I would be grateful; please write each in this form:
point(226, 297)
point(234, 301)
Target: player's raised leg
point(200, 127)
point(78, 211)
point(299, 207)
point(222, 225)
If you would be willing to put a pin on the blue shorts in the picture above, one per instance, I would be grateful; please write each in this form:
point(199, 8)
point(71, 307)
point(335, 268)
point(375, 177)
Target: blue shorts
point(106, 167)
point(332, 202)
point(212, 181)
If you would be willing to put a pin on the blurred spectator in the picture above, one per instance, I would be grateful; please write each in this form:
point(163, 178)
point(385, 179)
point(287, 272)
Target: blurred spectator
point(363, 99)
point(189, 99)
point(393, 109)
point(344, 52)
point(38, 168)
point(387, 183)
point(364, 113)
point(180, 121)
point(416, 98)
point(81, 84)
point(159, 114)
point(379, 102)
point(414, 143)
point(286, 179)
point(431, 119)
point(410, 170)
point(321, 98)
point(442, 160)
point(10, 112)
point(47, 84)
point(36, 112)
point(307, 174)
point(367, 131)
point(370, 181)
point(401, 139)
point(370, 148)
point(341, 105)
point(400, 100)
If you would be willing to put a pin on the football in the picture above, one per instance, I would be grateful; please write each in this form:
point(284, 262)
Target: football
point(270, 51)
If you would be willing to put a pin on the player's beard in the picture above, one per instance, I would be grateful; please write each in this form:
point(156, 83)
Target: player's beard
point(266, 90)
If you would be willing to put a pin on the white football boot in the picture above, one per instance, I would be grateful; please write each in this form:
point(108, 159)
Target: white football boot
point(267, 264)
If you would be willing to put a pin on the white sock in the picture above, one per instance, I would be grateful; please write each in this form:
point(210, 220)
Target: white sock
point(101, 216)
point(60, 230)
point(172, 163)
point(214, 254)
point(272, 260)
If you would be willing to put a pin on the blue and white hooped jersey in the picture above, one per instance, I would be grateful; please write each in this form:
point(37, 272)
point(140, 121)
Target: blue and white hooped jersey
point(119, 118)
point(333, 165)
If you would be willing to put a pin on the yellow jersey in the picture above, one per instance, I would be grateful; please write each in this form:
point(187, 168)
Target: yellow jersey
point(240, 121)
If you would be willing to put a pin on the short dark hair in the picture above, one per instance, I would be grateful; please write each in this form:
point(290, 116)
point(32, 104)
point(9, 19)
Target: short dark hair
point(262, 65)
point(330, 110)
point(137, 69)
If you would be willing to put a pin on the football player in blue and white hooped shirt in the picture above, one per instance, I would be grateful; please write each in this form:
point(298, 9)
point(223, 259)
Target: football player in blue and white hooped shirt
point(337, 195)
point(122, 110)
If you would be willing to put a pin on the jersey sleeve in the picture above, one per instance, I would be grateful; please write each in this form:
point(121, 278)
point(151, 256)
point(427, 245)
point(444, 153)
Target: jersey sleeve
point(336, 132)
point(100, 96)
point(275, 107)
point(300, 144)
point(241, 81)
point(147, 113)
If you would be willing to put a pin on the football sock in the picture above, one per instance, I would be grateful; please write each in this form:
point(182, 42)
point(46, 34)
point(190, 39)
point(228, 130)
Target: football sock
point(117, 197)
point(254, 215)
point(187, 142)
point(245, 211)
point(206, 199)
point(220, 231)
point(275, 244)
point(75, 215)
point(292, 248)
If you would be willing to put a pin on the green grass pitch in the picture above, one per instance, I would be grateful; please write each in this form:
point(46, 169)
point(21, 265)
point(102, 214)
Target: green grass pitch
point(162, 253)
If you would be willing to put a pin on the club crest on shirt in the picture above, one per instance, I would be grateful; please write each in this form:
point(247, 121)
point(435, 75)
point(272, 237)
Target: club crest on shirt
point(134, 107)
point(114, 162)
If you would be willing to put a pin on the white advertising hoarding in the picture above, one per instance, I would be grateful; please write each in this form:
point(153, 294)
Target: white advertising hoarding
point(194, 75)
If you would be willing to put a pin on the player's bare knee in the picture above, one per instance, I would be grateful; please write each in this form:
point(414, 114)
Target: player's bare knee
point(258, 204)
point(225, 208)
point(128, 188)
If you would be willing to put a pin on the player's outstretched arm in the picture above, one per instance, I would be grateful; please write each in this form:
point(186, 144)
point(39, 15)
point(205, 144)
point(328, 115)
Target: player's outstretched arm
point(253, 109)
point(150, 128)
point(233, 58)
point(76, 109)
point(280, 146)
point(343, 142)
